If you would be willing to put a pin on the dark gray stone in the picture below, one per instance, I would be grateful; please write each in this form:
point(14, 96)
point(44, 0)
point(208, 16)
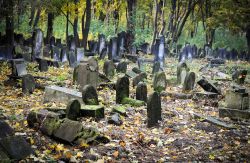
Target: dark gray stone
point(141, 77)
point(16, 147)
point(137, 70)
point(121, 67)
point(115, 119)
point(188, 84)
point(73, 109)
point(95, 111)
point(208, 86)
point(43, 65)
point(28, 84)
point(141, 92)
point(37, 43)
point(49, 125)
point(156, 67)
point(5, 129)
point(239, 76)
point(68, 130)
point(89, 95)
point(122, 89)
point(109, 68)
point(153, 109)
point(234, 114)
point(237, 100)
point(159, 82)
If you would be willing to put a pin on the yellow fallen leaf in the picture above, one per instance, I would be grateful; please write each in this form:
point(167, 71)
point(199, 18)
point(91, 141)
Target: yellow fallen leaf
point(79, 154)
point(59, 147)
point(211, 157)
point(32, 141)
point(68, 154)
point(115, 154)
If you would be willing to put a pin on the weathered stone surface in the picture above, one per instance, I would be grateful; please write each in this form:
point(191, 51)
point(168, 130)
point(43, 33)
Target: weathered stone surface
point(159, 82)
point(156, 67)
point(89, 95)
point(122, 89)
point(236, 100)
point(37, 44)
point(61, 94)
point(139, 78)
point(109, 68)
point(239, 76)
point(141, 92)
point(16, 147)
point(119, 109)
point(18, 67)
point(49, 125)
point(28, 84)
point(188, 84)
point(5, 129)
point(234, 114)
point(95, 111)
point(137, 70)
point(43, 65)
point(115, 119)
point(206, 95)
point(72, 59)
point(121, 67)
point(208, 86)
point(153, 109)
point(3, 156)
point(177, 95)
point(182, 70)
point(131, 74)
point(68, 130)
point(132, 102)
point(73, 109)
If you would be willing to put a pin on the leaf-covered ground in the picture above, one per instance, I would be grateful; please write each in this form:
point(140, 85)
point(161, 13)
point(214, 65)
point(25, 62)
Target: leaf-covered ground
point(179, 137)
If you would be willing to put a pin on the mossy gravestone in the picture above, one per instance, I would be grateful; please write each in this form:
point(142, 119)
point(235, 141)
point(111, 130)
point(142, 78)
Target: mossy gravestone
point(159, 82)
point(140, 77)
point(89, 95)
point(188, 84)
point(141, 92)
point(122, 89)
point(73, 109)
point(109, 68)
point(153, 109)
point(28, 84)
point(122, 67)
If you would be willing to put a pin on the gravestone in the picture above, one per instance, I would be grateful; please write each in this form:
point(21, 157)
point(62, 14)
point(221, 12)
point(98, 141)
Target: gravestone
point(159, 82)
point(153, 109)
point(101, 43)
point(140, 77)
point(6, 52)
point(141, 92)
point(64, 56)
point(182, 70)
point(156, 67)
point(37, 44)
point(113, 48)
point(43, 65)
point(121, 67)
point(115, 119)
point(55, 53)
point(72, 59)
point(52, 41)
point(188, 84)
point(239, 76)
point(46, 51)
point(73, 110)
point(89, 95)
point(121, 43)
point(122, 89)
point(18, 67)
point(28, 84)
point(109, 68)
point(79, 54)
point(95, 111)
point(103, 53)
point(208, 86)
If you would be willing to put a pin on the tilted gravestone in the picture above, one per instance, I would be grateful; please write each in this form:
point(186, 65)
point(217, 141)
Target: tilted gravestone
point(109, 68)
point(153, 109)
point(189, 82)
point(73, 110)
point(159, 82)
point(141, 92)
point(182, 70)
point(121, 67)
point(122, 89)
point(89, 95)
point(208, 86)
point(28, 84)
point(121, 43)
point(37, 44)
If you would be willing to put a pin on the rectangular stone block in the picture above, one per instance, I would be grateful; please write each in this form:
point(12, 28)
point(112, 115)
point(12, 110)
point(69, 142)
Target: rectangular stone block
point(61, 94)
point(234, 113)
point(95, 111)
point(236, 100)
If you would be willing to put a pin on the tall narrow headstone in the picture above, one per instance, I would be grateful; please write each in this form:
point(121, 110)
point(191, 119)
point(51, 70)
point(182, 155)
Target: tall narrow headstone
point(122, 89)
point(101, 43)
point(182, 70)
point(113, 50)
point(141, 92)
point(37, 44)
point(109, 68)
point(189, 82)
point(159, 82)
point(153, 109)
point(28, 84)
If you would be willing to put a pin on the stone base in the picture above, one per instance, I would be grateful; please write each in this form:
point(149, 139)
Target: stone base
point(234, 113)
point(209, 95)
point(95, 111)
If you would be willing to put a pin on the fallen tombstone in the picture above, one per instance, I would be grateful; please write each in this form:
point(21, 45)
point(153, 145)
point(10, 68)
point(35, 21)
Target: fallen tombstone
point(205, 95)
point(216, 62)
point(122, 89)
point(213, 121)
point(153, 109)
point(132, 57)
point(234, 114)
point(131, 74)
point(28, 84)
point(141, 92)
point(120, 109)
point(177, 95)
point(115, 119)
point(89, 95)
point(109, 68)
point(61, 94)
point(208, 86)
point(49, 125)
point(189, 81)
point(136, 70)
point(159, 82)
point(132, 102)
point(139, 78)
point(73, 110)
point(95, 111)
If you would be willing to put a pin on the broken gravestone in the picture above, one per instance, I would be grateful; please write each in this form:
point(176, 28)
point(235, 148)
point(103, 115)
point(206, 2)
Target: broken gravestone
point(208, 86)
point(159, 82)
point(73, 110)
point(141, 92)
point(28, 84)
point(89, 95)
point(109, 68)
point(122, 89)
point(189, 81)
point(153, 109)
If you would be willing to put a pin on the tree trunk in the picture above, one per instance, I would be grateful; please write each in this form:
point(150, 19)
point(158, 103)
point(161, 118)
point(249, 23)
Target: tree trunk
point(67, 26)
point(86, 23)
point(248, 39)
point(10, 24)
point(50, 27)
point(75, 27)
point(38, 13)
point(131, 24)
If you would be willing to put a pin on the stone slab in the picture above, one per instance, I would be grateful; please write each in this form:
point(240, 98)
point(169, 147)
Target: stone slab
point(234, 114)
point(95, 111)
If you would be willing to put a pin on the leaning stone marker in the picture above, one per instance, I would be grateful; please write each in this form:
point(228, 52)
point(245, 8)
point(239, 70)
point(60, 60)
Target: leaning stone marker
point(49, 125)
point(188, 84)
point(208, 86)
point(16, 147)
point(153, 109)
point(122, 89)
point(28, 84)
point(141, 92)
point(68, 130)
point(73, 110)
point(89, 95)
point(159, 82)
